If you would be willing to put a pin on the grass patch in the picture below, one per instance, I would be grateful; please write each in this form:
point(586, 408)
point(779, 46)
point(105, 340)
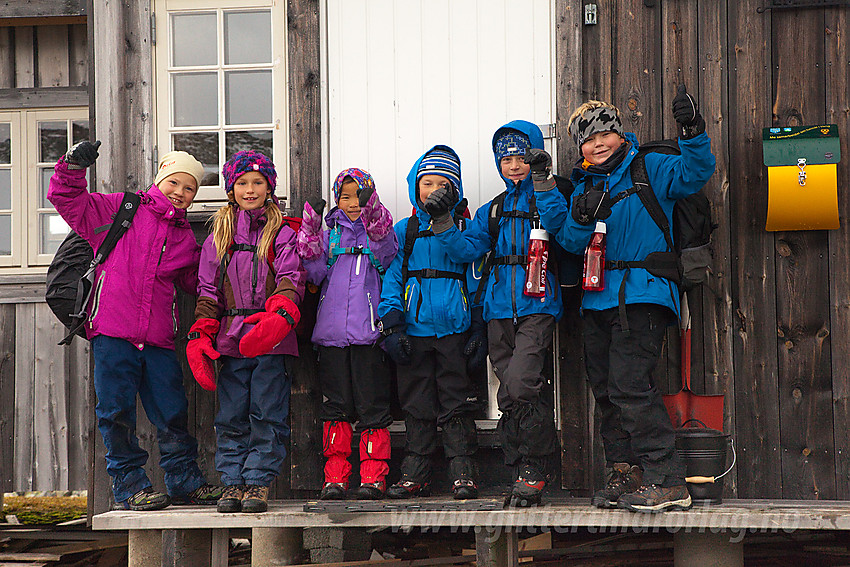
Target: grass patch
point(41, 510)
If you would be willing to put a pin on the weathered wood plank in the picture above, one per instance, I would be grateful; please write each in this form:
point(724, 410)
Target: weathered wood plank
point(24, 57)
point(43, 8)
point(78, 60)
point(756, 386)
point(805, 389)
point(7, 400)
point(596, 56)
point(43, 97)
point(576, 469)
point(305, 163)
point(7, 58)
point(123, 102)
point(24, 396)
point(52, 56)
point(837, 27)
point(50, 419)
point(716, 338)
point(80, 413)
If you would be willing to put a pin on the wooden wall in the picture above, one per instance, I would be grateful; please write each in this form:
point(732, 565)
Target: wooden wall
point(763, 333)
point(43, 56)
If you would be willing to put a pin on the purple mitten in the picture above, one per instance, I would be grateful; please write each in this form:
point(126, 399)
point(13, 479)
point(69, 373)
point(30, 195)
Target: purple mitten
point(309, 239)
point(376, 218)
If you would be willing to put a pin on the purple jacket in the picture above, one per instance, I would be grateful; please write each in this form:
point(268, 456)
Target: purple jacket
point(351, 287)
point(134, 293)
point(241, 289)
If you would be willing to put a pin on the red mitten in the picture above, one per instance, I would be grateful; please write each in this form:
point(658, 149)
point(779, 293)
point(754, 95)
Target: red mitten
point(270, 326)
point(201, 353)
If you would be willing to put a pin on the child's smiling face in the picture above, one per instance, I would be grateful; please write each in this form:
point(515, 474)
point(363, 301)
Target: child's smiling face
point(251, 190)
point(180, 188)
point(348, 201)
point(599, 147)
point(514, 168)
point(430, 183)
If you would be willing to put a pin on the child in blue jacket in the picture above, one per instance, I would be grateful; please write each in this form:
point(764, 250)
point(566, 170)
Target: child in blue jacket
point(425, 319)
point(519, 327)
point(625, 322)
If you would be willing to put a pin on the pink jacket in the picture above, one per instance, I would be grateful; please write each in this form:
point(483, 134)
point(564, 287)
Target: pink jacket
point(134, 294)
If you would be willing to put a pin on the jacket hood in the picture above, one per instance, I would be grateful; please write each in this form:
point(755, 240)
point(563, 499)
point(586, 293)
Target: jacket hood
point(578, 174)
point(411, 180)
point(531, 131)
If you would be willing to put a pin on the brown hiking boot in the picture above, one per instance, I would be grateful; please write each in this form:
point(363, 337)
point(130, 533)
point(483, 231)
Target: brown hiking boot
point(231, 499)
point(654, 498)
point(256, 498)
point(622, 479)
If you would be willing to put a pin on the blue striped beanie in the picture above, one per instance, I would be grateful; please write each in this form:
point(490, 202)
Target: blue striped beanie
point(440, 162)
point(511, 144)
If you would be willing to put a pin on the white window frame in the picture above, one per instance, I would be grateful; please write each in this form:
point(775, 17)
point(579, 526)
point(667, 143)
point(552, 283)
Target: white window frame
point(17, 175)
point(25, 257)
point(33, 207)
point(210, 198)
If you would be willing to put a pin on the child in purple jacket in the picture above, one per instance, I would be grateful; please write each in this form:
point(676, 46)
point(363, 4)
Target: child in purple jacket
point(250, 285)
point(348, 261)
point(132, 321)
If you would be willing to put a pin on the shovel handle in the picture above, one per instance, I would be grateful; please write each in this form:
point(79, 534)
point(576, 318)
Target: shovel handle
point(700, 479)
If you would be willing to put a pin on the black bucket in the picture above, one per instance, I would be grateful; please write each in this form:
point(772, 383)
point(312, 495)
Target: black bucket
point(704, 452)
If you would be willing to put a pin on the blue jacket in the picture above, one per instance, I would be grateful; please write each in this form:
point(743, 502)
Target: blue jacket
point(631, 232)
point(432, 306)
point(504, 297)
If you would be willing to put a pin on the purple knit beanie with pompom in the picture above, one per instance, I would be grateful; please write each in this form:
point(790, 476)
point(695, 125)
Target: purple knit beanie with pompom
point(245, 161)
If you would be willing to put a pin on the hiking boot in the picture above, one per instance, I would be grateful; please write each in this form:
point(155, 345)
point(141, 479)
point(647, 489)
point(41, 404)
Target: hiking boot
point(146, 500)
point(464, 489)
point(206, 494)
point(333, 491)
point(255, 499)
point(654, 498)
point(622, 479)
point(408, 489)
point(527, 489)
point(371, 490)
point(231, 499)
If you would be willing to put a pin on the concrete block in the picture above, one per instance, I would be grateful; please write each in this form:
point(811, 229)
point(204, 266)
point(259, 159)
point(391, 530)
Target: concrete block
point(337, 538)
point(333, 555)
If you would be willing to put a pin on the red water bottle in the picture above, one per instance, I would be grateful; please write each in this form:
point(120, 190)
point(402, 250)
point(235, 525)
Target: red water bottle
point(538, 256)
point(593, 276)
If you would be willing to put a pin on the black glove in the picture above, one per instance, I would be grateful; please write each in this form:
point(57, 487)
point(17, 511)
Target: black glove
point(475, 349)
point(82, 154)
point(686, 113)
point(540, 163)
point(594, 204)
point(438, 204)
point(395, 339)
point(364, 194)
point(317, 204)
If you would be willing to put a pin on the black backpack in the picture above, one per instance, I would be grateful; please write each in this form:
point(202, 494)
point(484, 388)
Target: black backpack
point(689, 242)
point(70, 276)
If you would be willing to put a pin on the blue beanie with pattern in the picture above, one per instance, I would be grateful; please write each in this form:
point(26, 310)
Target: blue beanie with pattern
point(440, 162)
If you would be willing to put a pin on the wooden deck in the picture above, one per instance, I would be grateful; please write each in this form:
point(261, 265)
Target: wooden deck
point(703, 536)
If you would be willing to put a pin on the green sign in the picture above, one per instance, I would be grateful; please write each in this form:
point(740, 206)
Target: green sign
point(815, 144)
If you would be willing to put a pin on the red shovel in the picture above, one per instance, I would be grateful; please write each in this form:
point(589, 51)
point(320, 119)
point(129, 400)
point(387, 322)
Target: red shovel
point(685, 405)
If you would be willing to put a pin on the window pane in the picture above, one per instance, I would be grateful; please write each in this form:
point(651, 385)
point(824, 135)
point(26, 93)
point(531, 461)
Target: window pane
point(193, 39)
point(44, 175)
point(53, 140)
point(259, 140)
point(53, 232)
point(247, 37)
point(80, 131)
point(5, 189)
point(5, 235)
point(5, 142)
point(248, 96)
point(204, 146)
point(195, 99)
